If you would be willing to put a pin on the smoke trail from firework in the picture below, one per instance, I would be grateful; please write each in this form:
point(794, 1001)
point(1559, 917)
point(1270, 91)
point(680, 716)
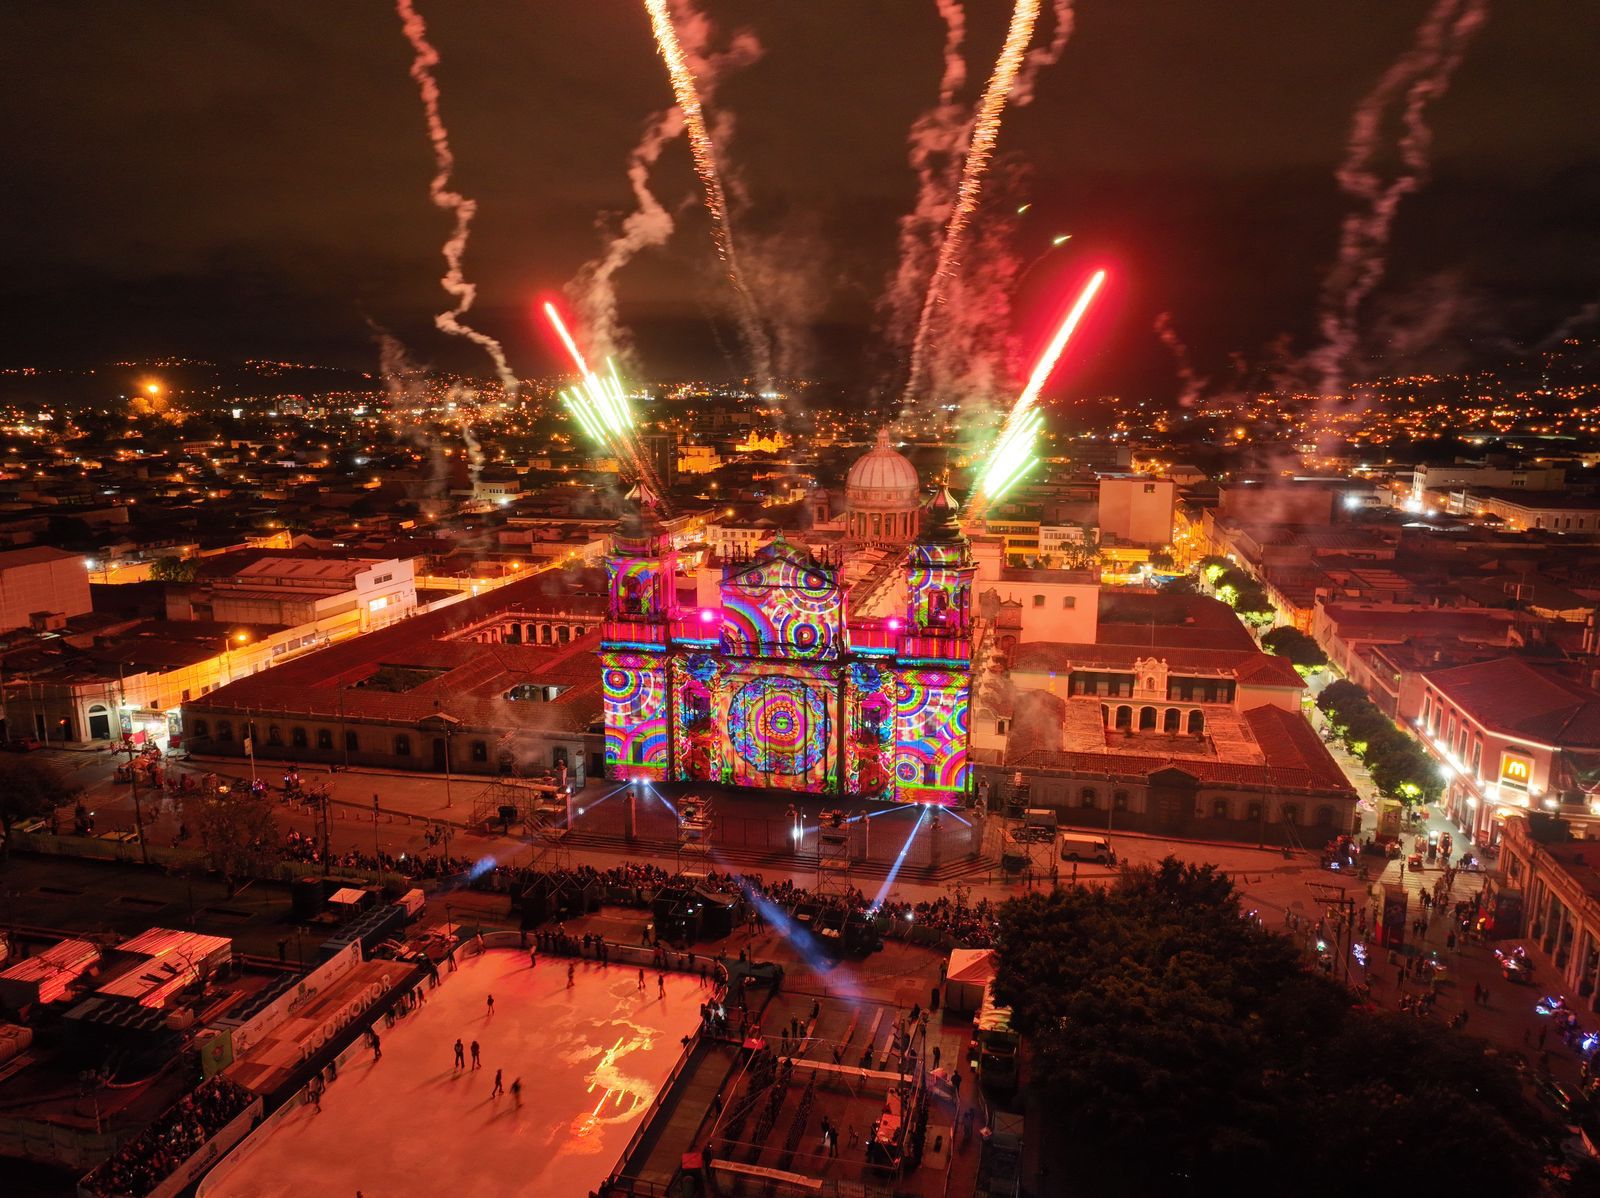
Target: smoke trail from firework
point(402, 385)
point(648, 225)
point(1192, 383)
point(704, 152)
point(1043, 56)
point(463, 209)
point(985, 130)
point(474, 450)
point(593, 291)
point(936, 139)
point(1423, 74)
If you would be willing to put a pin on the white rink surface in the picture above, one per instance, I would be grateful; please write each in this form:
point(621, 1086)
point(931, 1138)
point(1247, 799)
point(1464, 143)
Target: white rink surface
point(591, 1060)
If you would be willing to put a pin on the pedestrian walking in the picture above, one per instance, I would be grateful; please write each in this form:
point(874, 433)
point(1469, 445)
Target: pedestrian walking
point(516, 1091)
point(833, 1141)
point(498, 1088)
point(491, 1004)
point(461, 1054)
point(571, 969)
point(641, 979)
point(661, 985)
point(533, 957)
point(377, 1046)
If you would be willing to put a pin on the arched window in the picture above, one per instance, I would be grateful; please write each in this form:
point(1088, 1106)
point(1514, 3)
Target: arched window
point(1197, 722)
point(201, 729)
point(224, 729)
point(1291, 813)
point(563, 634)
point(1147, 719)
point(1252, 812)
point(480, 750)
point(1000, 727)
point(1119, 800)
point(1087, 797)
point(402, 745)
point(558, 756)
point(100, 722)
point(324, 738)
point(1219, 808)
point(298, 737)
point(1172, 721)
point(1125, 717)
point(351, 742)
point(274, 735)
point(1324, 817)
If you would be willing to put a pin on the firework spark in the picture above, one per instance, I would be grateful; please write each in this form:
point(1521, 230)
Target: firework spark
point(1012, 455)
point(600, 407)
point(704, 151)
point(980, 147)
point(439, 190)
point(1423, 74)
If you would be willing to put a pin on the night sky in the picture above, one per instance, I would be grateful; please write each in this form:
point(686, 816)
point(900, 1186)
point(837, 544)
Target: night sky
point(236, 178)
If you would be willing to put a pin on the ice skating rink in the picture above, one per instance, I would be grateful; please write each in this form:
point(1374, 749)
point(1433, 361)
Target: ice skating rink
point(590, 1059)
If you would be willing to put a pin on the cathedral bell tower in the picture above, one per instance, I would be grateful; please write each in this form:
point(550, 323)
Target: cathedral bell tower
point(635, 644)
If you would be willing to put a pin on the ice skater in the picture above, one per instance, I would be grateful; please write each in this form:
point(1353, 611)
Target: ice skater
point(476, 1064)
point(461, 1054)
point(499, 1088)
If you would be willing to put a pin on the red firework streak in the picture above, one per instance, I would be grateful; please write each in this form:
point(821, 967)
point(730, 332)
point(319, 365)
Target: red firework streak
point(1011, 451)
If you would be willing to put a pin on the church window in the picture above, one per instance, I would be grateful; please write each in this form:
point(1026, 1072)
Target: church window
point(1068, 602)
point(1038, 600)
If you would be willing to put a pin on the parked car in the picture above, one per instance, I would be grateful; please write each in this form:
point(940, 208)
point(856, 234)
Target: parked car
point(23, 744)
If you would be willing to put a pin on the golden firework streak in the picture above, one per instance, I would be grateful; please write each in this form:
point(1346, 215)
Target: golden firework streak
point(985, 130)
point(704, 151)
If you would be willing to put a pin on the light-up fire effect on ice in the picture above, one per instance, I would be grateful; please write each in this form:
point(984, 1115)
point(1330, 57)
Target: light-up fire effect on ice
point(1012, 454)
point(704, 151)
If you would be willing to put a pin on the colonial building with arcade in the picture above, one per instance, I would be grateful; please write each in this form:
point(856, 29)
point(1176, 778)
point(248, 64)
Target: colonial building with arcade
point(773, 683)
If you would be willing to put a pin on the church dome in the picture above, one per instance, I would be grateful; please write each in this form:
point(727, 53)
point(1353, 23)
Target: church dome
point(883, 494)
point(884, 478)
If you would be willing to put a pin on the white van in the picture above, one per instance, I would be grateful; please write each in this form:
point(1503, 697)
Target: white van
point(1086, 848)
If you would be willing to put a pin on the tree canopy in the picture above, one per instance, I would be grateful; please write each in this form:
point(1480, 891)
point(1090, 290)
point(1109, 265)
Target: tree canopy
point(1400, 767)
point(29, 788)
point(172, 569)
point(1301, 650)
point(238, 833)
point(1180, 1047)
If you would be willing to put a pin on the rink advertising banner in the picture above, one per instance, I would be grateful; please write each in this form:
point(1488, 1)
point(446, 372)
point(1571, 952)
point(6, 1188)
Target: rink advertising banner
point(250, 1032)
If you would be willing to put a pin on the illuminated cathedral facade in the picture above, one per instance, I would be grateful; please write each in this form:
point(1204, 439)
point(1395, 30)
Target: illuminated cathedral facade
point(777, 687)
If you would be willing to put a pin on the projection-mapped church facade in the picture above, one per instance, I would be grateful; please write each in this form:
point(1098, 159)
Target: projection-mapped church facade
point(777, 687)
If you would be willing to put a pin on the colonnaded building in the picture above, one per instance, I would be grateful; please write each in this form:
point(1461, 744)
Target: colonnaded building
point(883, 654)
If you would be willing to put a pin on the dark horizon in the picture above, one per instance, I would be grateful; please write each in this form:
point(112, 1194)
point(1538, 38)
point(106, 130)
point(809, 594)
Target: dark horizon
point(253, 183)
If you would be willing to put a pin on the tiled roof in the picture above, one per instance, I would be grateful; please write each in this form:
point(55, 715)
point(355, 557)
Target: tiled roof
point(471, 681)
point(1512, 696)
point(1295, 760)
point(1253, 667)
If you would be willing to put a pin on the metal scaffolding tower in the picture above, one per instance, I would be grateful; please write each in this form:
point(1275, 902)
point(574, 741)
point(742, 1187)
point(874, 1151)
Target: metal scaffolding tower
point(695, 829)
